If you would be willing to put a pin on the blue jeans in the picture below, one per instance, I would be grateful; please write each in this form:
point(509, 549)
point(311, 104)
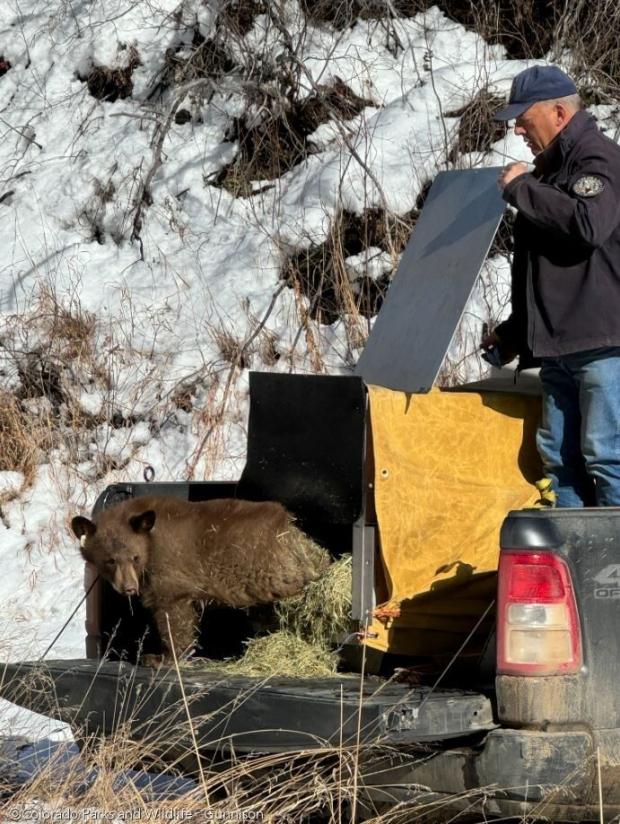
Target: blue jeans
point(579, 438)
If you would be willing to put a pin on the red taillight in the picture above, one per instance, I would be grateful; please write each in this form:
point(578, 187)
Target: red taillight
point(538, 629)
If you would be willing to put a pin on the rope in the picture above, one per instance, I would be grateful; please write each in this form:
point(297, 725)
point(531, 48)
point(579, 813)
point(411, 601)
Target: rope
point(70, 618)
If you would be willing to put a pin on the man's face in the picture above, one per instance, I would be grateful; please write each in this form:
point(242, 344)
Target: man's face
point(540, 124)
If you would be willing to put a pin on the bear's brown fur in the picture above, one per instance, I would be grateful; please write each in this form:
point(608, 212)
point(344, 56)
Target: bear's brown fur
point(174, 554)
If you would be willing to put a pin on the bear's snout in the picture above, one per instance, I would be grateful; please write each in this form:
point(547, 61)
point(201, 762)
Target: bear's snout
point(125, 580)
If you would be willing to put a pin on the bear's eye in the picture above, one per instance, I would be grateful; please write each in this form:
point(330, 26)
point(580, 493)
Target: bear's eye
point(135, 559)
point(110, 562)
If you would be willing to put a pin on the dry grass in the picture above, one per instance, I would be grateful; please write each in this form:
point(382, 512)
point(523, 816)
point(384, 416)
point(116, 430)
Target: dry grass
point(291, 786)
point(314, 785)
point(68, 403)
point(231, 347)
point(68, 328)
point(24, 438)
point(239, 15)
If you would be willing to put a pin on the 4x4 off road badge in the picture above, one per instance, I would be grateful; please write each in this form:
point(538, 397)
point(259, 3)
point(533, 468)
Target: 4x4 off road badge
point(608, 582)
point(588, 186)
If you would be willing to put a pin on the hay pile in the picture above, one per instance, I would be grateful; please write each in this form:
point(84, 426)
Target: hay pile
point(310, 625)
point(281, 653)
point(321, 613)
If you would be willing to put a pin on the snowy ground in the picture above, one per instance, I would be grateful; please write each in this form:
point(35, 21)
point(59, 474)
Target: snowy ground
point(147, 372)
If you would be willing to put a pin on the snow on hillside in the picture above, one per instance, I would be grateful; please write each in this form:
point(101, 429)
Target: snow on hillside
point(141, 273)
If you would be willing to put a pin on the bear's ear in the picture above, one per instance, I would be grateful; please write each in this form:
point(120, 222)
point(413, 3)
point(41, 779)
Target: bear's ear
point(83, 528)
point(143, 522)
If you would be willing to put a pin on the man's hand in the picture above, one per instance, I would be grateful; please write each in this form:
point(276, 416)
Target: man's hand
point(511, 171)
point(489, 341)
point(493, 345)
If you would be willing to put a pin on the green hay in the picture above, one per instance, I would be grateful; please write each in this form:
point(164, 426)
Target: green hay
point(311, 624)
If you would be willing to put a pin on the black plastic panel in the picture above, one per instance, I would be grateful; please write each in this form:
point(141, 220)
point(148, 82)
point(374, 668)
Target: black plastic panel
point(439, 267)
point(306, 439)
point(529, 532)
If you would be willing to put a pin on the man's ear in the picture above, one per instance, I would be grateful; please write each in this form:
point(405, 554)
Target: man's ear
point(83, 528)
point(143, 522)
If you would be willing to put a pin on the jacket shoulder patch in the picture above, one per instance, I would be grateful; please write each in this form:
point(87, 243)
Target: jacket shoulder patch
point(588, 186)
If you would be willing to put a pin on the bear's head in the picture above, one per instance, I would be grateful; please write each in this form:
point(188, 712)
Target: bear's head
point(117, 546)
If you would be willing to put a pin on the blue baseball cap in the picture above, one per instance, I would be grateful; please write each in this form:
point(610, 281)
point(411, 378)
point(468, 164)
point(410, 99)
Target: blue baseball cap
point(534, 84)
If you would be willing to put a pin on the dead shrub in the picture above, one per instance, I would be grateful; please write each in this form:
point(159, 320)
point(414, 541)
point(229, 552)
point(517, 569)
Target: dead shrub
point(49, 348)
point(239, 15)
point(92, 215)
point(202, 59)
point(375, 227)
point(279, 142)
point(40, 377)
point(477, 129)
point(336, 100)
point(268, 348)
point(21, 438)
point(69, 329)
point(320, 273)
point(341, 13)
point(206, 58)
point(525, 28)
point(266, 152)
point(588, 33)
point(109, 84)
point(531, 29)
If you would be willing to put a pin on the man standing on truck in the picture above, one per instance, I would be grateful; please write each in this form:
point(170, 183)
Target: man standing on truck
point(566, 283)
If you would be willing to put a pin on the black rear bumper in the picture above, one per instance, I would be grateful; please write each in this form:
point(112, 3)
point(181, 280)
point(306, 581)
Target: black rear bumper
point(551, 775)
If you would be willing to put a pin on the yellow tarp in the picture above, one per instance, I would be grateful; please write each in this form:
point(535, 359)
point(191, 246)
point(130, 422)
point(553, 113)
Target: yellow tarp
point(448, 468)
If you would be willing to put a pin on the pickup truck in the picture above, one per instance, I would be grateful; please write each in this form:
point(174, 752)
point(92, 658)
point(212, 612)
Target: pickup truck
point(528, 726)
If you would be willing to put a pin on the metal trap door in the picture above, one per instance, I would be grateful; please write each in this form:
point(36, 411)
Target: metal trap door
point(434, 280)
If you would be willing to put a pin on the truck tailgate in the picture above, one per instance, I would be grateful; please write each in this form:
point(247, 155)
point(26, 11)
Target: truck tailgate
point(266, 714)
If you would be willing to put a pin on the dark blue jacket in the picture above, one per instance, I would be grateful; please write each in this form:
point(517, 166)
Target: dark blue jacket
point(566, 266)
